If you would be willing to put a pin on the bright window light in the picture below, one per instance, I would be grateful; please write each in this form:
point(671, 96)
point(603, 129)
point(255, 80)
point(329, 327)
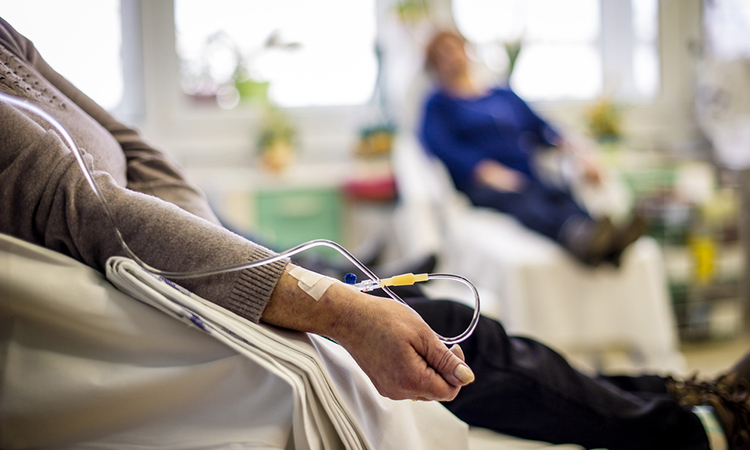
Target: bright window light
point(645, 48)
point(557, 71)
point(728, 28)
point(86, 52)
point(562, 44)
point(559, 57)
point(317, 53)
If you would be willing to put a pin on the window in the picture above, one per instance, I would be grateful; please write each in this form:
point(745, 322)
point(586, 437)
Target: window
point(645, 47)
point(563, 45)
point(727, 25)
point(297, 52)
point(65, 41)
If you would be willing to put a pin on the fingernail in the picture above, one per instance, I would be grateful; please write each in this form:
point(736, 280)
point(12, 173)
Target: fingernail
point(464, 374)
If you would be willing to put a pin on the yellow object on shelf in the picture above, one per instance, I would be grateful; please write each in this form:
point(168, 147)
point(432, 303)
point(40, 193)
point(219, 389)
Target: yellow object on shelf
point(703, 249)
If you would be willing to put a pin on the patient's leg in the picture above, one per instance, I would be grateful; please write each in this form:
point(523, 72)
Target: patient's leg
point(524, 388)
point(554, 214)
point(539, 208)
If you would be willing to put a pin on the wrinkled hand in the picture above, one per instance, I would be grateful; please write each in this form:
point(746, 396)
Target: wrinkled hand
point(499, 177)
point(585, 159)
point(401, 354)
point(397, 350)
point(590, 171)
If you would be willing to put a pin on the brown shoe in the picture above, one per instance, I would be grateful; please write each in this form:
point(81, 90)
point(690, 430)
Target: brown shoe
point(588, 240)
point(624, 237)
point(728, 395)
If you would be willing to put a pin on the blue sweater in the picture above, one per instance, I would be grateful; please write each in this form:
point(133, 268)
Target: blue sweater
point(499, 126)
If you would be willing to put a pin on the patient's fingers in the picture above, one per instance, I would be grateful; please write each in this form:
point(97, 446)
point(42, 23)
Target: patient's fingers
point(458, 351)
point(450, 365)
point(399, 352)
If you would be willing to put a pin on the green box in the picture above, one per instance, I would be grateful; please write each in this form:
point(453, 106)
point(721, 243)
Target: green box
point(289, 217)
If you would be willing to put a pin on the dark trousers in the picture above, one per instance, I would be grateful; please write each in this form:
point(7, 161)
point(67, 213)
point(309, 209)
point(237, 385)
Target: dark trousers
point(525, 389)
point(541, 208)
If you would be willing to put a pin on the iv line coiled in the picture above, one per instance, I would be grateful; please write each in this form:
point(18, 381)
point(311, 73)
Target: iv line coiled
point(238, 266)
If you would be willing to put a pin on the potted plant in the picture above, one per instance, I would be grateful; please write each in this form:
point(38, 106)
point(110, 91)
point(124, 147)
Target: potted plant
point(276, 140)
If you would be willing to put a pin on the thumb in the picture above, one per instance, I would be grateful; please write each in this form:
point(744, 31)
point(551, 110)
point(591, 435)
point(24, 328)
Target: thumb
point(453, 369)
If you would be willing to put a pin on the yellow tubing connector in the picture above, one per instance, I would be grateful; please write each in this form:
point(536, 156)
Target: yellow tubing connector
point(404, 280)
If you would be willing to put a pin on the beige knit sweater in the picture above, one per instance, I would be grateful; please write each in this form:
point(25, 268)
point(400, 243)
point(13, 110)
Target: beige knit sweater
point(164, 218)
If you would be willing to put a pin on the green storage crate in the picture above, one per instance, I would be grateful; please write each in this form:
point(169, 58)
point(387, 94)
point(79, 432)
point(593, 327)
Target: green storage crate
point(288, 217)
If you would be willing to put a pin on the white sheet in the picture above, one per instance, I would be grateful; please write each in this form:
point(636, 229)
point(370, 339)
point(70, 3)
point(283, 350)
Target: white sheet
point(320, 404)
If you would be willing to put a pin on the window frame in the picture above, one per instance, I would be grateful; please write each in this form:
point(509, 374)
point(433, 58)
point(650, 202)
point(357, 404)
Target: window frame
point(325, 131)
point(616, 45)
point(219, 136)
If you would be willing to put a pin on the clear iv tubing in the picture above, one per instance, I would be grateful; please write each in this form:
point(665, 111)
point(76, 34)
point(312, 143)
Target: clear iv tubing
point(243, 265)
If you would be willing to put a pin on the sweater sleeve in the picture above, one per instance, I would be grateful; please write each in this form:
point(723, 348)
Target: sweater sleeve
point(543, 131)
point(148, 170)
point(163, 218)
point(439, 136)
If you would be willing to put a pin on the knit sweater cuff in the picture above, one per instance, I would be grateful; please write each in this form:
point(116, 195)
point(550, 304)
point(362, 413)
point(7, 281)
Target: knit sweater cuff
point(252, 291)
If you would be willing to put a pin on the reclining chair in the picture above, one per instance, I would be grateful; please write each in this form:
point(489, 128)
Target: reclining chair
point(526, 280)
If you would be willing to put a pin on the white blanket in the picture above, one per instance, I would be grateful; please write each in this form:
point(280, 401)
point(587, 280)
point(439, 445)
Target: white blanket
point(323, 403)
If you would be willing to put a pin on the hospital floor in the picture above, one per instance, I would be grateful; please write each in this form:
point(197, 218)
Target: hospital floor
point(707, 358)
point(712, 357)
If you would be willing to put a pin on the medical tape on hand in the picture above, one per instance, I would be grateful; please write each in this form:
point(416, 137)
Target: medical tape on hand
point(314, 284)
